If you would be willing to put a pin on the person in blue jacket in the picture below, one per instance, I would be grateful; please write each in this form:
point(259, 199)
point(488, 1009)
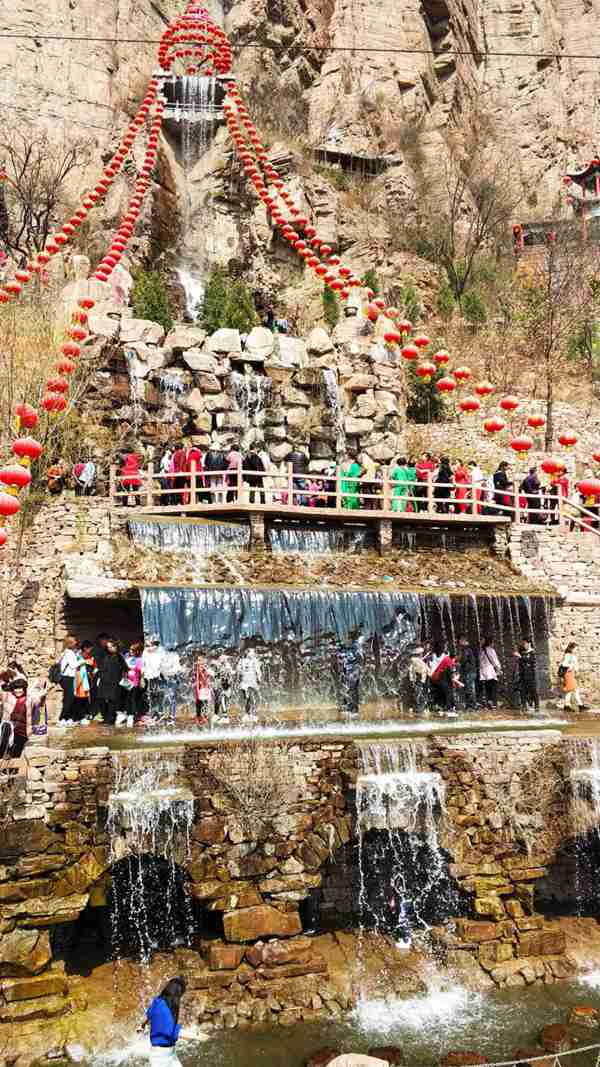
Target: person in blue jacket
point(163, 1019)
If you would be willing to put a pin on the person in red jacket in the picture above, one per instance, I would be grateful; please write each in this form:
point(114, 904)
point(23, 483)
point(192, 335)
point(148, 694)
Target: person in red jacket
point(193, 456)
point(130, 477)
point(424, 468)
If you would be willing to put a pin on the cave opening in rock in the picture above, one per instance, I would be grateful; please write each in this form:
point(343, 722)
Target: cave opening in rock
point(571, 885)
point(145, 907)
point(396, 870)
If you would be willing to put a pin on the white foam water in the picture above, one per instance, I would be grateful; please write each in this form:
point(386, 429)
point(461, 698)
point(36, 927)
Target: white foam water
point(435, 1011)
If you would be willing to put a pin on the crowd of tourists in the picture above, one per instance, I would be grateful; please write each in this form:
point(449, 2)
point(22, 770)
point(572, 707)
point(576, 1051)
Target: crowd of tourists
point(406, 484)
point(142, 684)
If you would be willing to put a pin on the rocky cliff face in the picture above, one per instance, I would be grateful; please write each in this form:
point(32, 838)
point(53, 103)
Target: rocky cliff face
point(319, 75)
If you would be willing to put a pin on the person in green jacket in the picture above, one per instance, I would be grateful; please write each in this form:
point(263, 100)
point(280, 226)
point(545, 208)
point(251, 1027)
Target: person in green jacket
point(403, 479)
point(351, 472)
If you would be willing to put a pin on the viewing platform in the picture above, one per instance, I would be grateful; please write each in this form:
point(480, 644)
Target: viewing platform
point(271, 496)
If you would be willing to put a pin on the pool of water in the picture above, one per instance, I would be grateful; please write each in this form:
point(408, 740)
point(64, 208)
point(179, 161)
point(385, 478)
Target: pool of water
point(426, 1027)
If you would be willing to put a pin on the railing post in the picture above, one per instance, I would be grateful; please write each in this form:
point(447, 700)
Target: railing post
point(193, 487)
point(150, 486)
point(517, 506)
point(386, 490)
point(290, 485)
point(112, 486)
point(473, 499)
point(430, 500)
point(339, 501)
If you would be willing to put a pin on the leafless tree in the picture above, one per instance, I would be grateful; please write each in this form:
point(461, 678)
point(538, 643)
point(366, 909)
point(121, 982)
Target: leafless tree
point(261, 781)
point(37, 190)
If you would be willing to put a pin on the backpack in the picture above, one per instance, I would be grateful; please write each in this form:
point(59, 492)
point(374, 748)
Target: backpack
point(54, 674)
point(562, 670)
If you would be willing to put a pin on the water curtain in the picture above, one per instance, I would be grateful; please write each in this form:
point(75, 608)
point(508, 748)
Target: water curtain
point(193, 539)
point(149, 824)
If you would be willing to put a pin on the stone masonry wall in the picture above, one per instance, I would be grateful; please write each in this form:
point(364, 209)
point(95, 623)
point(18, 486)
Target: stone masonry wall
point(506, 813)
point(571, 561)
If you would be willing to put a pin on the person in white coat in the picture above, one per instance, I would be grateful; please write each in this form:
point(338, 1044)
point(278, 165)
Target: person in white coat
point(490, 670)
point(567, 673)
point(250, 677)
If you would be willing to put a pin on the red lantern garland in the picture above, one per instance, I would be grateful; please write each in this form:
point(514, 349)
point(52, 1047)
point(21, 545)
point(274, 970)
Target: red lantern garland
point(445, 385)
point(567, 439)
point(469, 404)
point(494, 425)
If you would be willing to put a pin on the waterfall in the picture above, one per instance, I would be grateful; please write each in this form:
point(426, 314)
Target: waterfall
point(334, 403)
point(320, 540)
point(196, 113)
point(193, 287)
point(170, 383)
point(137, 391)
point(252, 394)
point(403, 878)
point(191, 539)
point(148, 825)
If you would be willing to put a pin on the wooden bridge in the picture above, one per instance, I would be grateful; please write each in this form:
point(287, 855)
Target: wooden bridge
point(260, 497)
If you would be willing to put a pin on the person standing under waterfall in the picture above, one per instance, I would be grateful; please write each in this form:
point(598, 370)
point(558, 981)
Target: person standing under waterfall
point(222, 685)
point(350, 663)
point(250, 677)
point(111, 695)
point(418, 677)
point(490, 670)
point(467, 666)
point(163, 1019)
point(526, 672)
point(567, 673)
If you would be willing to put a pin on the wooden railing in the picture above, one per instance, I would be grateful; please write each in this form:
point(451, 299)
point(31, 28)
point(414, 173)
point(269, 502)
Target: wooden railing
point(327, 493)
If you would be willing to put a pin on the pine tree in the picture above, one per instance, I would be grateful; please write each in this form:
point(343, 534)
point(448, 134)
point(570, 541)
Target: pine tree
point(331, 307)
point(425, 403)
point(371, 281)
point(150, 299)
point(240, 313)
point(211, 311)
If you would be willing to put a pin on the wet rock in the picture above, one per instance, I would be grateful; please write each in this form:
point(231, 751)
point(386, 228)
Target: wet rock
point(14, 989)
point(75, 1053)
point(141, 330)
point(556, 1038)
point(103, 326)
point(24, 952)
point(357, 1059)
point(40, 1008)
point(222, 957)
point(210, 831)
point(250, 924)
point(278, 953)
point(201, 361)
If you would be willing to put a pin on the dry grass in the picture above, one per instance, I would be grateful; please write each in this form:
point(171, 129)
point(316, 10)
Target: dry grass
point(260, 781)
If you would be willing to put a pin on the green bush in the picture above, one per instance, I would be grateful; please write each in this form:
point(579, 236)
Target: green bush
point(409, 299)
point(150, 298)
point(331, 307)
point(371, 281)
point(226, 303)
point(473, 308)
point(425, 403)
point(445, 301)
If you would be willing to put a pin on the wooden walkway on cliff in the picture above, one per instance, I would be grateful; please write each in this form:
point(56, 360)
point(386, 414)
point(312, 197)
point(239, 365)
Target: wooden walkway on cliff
point(275, 496)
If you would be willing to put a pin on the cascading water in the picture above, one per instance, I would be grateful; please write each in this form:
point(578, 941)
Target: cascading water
point(149, 824)
point(136, 389)
point(334, 403)
point(320, 540)
point(585, 819)
point(252, 394)
point(191, 539)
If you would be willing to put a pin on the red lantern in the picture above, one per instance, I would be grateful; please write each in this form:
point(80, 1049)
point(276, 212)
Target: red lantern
point(446, 385)
point(70, 349)
point(484, 388)
point(521, 445)
point(66, 366)
point(372, 312)
point(470, 404)
point(392, 337)
point(86, 302)
point(568, 439)
point(57, 385)
point(462, 374)
point(409, 352)
point(536, 422)
point(441, 358)
point(493, 425)
point(16, 477)
point(596, 457)
point(9, 505)
point(405, 326)
point(27, 415)
point(426, 371)
point(53, 403)
point(509, 403)
point(421, 341)
point(27, 448)
point(552, 466)
point(588, 487)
